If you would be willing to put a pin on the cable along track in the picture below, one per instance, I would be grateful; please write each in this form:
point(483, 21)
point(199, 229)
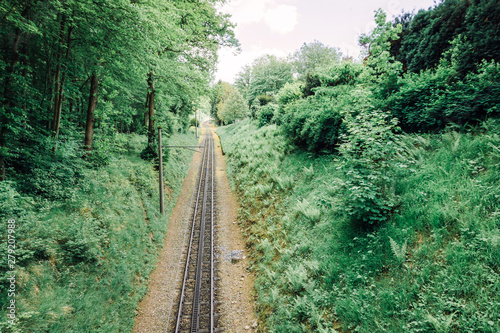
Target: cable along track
point(195, 307)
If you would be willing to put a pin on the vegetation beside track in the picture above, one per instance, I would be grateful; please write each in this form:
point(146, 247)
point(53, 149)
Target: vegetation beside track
point(84, 259)
point(433, 266)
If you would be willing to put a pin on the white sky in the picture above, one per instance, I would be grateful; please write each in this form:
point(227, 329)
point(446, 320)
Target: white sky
point(280, 27)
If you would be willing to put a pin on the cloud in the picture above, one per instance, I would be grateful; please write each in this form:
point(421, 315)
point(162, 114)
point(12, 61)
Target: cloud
point(246, 12)
point(278, 17)
point(282, 19)
point(230, 64)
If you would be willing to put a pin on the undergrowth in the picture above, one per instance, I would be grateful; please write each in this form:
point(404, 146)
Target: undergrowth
point(83, 261)
point(433, 266)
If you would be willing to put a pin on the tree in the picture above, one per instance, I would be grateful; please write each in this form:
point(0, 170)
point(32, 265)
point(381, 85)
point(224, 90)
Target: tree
point(268, 75)
point(313, 56)
point(243, 80)
point(234, 107)
point(58, 56)
point(427, 36)
point(383, 69)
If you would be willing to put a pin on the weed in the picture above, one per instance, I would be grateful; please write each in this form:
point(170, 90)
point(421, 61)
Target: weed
point(84, 260)
point(317, 271)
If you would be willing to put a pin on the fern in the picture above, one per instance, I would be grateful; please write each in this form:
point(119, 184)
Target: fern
point(441, 326)
point(399, 251)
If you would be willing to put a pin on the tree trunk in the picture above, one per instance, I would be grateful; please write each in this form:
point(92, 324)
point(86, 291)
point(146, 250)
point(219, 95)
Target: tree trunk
point(57, 85)
point(146, 113)
point(60, 78)
point(3, 131)
point(151, 110)
point(82, 113)
point(89, 127)
point(24, 74)
point(8, 93)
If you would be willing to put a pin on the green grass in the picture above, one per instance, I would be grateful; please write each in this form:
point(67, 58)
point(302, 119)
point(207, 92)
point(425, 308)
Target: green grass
point(84, 261)
point(434, 266)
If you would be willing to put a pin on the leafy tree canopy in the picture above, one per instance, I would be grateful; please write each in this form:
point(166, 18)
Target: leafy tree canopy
point(314, 55)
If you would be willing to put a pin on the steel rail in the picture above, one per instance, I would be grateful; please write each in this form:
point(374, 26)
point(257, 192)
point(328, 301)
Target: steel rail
point(205, 190)
point(212, 296)
point(195, 320)
point(186, 269)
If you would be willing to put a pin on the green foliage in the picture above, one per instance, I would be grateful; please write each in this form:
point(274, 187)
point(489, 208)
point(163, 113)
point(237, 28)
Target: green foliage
point(433, 266)
point(266, 114)
point(265, 76)
point(289, 93)
point(193, 122)
point(265, 99)
point(312, 56)
point(83, 261)
point(430, 100)
point(218, 97)
point(345, 73)
point(150, 152)
point(428, 35)
point(51, 176)
point(234, 107)
point(316, 123)
point(382, 68)
point(51, 50)
point(369, 152)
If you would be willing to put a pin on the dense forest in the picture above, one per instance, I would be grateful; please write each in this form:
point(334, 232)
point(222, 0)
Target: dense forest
point(83, 87)
point(71, 68)
point(369, 189)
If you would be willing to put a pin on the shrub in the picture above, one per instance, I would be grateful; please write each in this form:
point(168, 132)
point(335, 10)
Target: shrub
point(369, 152)
point(150, 152)
point(345, 73)
point(266, 113)
point(316, 123)
point(290, 93)
point(265, 99)
point(193, 122)
point(434, 98)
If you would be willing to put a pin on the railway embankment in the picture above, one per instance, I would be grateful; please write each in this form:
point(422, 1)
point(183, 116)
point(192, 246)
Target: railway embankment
point(432, 266)
point(86, 248)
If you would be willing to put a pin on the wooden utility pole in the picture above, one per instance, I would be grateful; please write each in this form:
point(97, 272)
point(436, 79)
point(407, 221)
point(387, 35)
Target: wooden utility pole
point(161, 171)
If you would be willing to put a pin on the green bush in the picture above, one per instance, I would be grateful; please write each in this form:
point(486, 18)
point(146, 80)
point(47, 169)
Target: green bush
point(50, 174)
point(369, 152)
point(434, 98)
point(193, 122)
point(266, 113)
point(150, 152)
point(291, 92)
point(316, 123)
point(83, 260)
point(265, 99)
point(345, 73)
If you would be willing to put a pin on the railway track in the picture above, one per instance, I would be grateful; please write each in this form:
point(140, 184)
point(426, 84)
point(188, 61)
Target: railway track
point(195, 309)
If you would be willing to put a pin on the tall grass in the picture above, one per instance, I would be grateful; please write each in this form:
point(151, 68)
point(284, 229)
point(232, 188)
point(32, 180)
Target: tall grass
point(434, 266)
point(84, 262)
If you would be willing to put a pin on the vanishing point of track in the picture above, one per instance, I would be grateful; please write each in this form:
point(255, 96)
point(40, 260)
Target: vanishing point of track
point(195, 308)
